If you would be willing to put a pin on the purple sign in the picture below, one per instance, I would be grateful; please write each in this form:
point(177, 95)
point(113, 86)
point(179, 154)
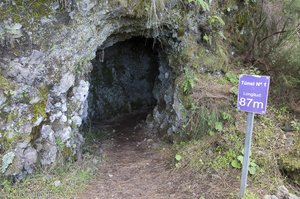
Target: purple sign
point(253, 93)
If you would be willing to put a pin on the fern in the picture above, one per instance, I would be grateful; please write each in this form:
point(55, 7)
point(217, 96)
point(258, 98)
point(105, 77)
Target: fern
point(202, 3)
point(189, 81)
point(216, 20)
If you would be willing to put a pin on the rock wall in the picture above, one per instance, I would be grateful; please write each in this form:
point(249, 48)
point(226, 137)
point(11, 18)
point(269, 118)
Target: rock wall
point(45, 66)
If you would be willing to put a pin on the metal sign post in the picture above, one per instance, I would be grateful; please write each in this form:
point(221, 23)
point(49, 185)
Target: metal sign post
point(247, 149)
point(252, 97)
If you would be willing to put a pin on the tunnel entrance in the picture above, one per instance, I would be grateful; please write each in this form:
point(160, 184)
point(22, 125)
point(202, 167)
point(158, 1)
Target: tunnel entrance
point(123, 80)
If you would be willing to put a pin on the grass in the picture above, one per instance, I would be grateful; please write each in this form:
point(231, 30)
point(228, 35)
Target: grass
point(214, 153)
point(219, 151)
point(250, 195)
point(73, 177)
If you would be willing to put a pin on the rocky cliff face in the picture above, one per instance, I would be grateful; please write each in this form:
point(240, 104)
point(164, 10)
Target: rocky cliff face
point(46, 67)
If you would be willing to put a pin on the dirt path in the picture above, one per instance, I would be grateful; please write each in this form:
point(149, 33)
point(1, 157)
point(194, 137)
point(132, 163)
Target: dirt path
point(138, 167)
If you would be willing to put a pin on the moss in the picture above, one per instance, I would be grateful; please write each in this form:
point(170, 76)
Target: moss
point(198, 56)
point(5, 141)
point(39, 109)
point(290, 163)
point(265, 135)
point(8, 117)
point(187, 100)
point(140, 7)
point(68, 154)
point(65, 152)
point(43, 92)
point(35, 133)
point(181, 31)
point(10, 139)
point(23, 11)
point(11, 116)
point(290, 166)
point(192, 54)
point(6, 84)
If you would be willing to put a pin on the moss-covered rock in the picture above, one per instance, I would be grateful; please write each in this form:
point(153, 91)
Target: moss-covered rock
point(6, 84)
point(289, 163)
point(58, 54)
point(21, 11)
point(39, 110)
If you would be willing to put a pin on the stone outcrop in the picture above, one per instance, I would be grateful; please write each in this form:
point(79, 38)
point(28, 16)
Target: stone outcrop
point(282, 193)
point(45, 67)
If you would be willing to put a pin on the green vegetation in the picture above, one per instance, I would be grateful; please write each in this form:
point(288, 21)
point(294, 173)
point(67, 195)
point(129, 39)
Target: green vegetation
point(214, 139)
point(39, 108)
point(92, 138)
point(151, 9)
point(65, 179)
point(178, 158)
point(264, 34)
point(203, 121)
point(289, 162)
point(251, 36)
point(222, 152)
point(232, 78)
point(189, 81)
point(6, 84)
point(238, 162)
point(296, 125)
point(250, 195)
point(204, 5)
point(22, 12)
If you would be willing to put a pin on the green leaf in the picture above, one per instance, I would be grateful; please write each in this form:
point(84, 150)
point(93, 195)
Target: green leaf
point(234, 90)
point(178, 157)
point(242, 151)
point(236, 164)
point(211, 133)
point(240, 158)
point(226, 116)
point(178, 165)
point(218, 126)
point(253, 164)
point(231, 77)
point(296, 125)
point(189, 81)
point(206, 38)
point(222, 35)
point(252, 170)
point(204, 5)
point(216, 20)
